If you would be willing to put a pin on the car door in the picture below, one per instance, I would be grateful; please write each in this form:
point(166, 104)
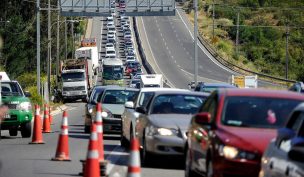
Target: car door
point(200, 141)
point(279, 162)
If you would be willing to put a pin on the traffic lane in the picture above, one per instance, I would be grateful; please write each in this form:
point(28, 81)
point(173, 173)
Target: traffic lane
point(18, 158)
point(163, 59)
point(96, 30)
point(174, 27)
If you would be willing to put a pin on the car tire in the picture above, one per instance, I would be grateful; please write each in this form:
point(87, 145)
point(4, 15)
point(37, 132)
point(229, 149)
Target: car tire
point(87, 129)
point(13, 132)
point(124, 142)
point(209, 169)
point(188, 165)
point(26, 130)
point(145, 156)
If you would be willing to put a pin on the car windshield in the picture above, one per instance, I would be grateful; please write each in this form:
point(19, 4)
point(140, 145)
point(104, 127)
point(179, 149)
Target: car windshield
point(10, 89)
point(72, 77)
point(112, 72)
point(257, 112)
point(110, 52)
point(97, 94)
point(177, 104)
point(135, 81)
point(119, 96)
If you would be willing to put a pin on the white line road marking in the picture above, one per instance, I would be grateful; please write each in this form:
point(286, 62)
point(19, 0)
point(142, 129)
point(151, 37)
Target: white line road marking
point(113, 158)
point(203, 48)
point(153, 54)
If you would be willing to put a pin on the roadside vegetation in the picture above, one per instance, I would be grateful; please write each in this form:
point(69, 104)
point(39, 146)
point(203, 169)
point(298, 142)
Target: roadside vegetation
point(18, 41)
point(264, 25)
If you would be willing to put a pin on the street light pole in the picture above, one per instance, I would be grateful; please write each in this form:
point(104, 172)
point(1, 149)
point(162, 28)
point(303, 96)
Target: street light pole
point(195, 42)
point(73, 42)
point(57, 46)
point(213, 19)
point(38, 45)
point(49, 52)
point(287, 56)
point(66, 38)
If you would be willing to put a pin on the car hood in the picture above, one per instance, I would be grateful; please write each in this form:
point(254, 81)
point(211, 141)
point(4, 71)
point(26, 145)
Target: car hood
point(249, 139)
point(117, 109)
point(176, 121)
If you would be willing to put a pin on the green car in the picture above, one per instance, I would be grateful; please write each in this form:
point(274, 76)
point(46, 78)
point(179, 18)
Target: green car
point(20, 112)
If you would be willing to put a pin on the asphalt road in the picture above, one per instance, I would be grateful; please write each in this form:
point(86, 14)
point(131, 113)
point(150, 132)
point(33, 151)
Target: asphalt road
point(19, 159)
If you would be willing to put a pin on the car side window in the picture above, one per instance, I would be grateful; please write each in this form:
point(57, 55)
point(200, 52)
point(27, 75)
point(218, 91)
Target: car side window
point(144, 99)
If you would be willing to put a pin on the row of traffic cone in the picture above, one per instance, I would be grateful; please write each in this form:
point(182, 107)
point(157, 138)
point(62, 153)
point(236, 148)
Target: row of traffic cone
point(95, 164)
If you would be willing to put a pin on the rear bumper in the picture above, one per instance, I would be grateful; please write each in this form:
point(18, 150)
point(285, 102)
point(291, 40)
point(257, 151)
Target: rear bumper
point(74, 97)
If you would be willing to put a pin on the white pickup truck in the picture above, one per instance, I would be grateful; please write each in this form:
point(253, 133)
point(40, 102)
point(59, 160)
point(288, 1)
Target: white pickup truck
point(129, 115)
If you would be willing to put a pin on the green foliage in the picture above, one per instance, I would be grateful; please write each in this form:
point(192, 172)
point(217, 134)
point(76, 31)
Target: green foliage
point(35, 98)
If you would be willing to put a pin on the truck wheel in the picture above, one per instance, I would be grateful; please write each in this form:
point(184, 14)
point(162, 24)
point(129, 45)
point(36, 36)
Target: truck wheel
point(13, 131)
point(26, 130)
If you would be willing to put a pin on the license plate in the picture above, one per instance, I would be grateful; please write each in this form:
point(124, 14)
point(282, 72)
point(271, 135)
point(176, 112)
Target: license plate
point(7, 116)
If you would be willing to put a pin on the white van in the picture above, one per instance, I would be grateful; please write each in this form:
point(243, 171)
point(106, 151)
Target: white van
point(151, 80)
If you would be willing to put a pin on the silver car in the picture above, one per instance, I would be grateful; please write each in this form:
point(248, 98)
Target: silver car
point(161, 126)
point(113, 101)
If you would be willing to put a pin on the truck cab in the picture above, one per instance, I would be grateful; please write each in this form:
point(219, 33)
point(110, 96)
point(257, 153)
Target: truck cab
point(151, 80)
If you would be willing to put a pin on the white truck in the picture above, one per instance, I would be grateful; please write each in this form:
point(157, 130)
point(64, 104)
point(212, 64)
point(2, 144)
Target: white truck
point(75, 81)
point(151, 80)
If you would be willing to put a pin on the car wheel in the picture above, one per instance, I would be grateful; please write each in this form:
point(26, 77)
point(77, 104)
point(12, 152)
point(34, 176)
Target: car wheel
point(13, 132)
point(209, 168)
point(145, 156)
point(87, 129)
point(124, 142)
point(188, 166)
point(26, 130)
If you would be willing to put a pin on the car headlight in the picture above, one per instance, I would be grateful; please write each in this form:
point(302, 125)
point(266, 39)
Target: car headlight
point(161, 131)
point(106, 114)
point(230, 152)
point(24, 106)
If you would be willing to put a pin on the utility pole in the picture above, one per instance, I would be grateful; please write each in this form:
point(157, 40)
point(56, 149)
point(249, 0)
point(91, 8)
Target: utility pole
point(287, 54)
point(73, 41)
point(58, 43)
point(237, 33)
point(65, 38)
point(49, 52)
point(213, 19)
point(195, 43)
point(38, 45)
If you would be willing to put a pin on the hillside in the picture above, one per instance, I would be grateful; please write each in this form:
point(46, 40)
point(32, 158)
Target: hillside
point(262, 33)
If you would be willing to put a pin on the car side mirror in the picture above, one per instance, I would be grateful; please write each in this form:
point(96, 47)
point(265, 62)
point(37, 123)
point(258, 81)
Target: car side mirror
point(296, 151)
point(27, 94)
point(203, 118)
point(129, 105)
point(141, 110)
point(283, 134)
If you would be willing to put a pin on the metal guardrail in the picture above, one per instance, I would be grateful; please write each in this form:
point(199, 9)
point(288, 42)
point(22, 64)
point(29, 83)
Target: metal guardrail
point(240, 70)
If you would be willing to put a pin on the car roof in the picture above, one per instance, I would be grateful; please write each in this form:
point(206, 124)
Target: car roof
point(184, 92)
point(262, 93)
point(157, 89)
point(122, 88)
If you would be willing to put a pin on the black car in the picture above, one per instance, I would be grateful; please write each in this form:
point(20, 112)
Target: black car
point(297, 87)
point(285, 155)
point(210, 87)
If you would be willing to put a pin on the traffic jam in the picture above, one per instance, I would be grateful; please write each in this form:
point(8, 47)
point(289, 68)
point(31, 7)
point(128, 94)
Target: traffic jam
point(210, 129)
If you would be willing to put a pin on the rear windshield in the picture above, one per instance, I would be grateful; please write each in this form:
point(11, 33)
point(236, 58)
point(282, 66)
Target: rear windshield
point(257, 112)
point(119, 96)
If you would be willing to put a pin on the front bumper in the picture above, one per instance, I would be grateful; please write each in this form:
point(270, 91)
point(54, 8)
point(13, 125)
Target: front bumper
point(74, 97)
point(237, 168)
point(17, 118)
point(112, 125)
point(165, 145)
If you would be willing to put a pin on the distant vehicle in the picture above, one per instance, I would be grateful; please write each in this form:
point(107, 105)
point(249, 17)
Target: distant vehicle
point(110, 18)
point(111, 38)
point(94, 98)
point(297, 87)
point(137, 75)
point(130, 114)
point(112, 29)
point(210, 87)
point(127, 37)
point(162, 125)
point(112, 33)
point(130, 66)
point(20, 115)
point(284, 155)
point(112, 72)
point(151, 80)
point(110, 46)
point(130, 58)
point(111, 53)
point(88, 42)
point(113, 101)
point(133, 83)
point(222, 138)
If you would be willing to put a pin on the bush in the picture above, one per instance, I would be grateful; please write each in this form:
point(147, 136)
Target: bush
point(35, 98)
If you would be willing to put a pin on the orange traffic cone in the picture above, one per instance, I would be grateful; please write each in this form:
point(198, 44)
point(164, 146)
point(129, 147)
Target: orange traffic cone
point(50, 116)
point(62, 152)
point(92, 168)
point(99, 126)
point(46, 121)
point(134, 159)
point(37, 136)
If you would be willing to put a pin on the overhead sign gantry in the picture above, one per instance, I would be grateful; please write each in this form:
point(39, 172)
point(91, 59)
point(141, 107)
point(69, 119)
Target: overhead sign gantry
point(91, 8)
